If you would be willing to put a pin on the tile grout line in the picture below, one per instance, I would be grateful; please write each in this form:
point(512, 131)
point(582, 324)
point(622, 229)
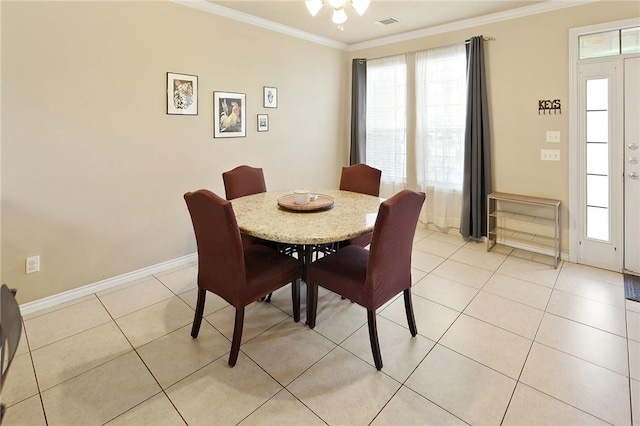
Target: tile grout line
point(530, 348)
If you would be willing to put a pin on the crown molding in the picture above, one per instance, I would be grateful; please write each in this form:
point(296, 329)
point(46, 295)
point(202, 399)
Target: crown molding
point(469, 23)
point(259, 22)
point(534, 9)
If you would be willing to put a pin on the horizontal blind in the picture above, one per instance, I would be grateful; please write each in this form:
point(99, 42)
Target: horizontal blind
point(387, 117)
point(441, 105)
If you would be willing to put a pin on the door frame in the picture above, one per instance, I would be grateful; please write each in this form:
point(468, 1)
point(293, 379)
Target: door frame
point(574, 120)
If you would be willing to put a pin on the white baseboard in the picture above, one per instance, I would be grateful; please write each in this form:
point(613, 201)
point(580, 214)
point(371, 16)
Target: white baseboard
point(76, 293)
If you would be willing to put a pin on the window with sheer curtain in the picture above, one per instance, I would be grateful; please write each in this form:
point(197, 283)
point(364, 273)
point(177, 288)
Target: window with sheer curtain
point(438, 144)
point(387, 121)
point(441, 87)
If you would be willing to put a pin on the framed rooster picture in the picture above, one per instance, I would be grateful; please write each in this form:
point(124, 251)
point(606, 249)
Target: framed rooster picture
point(229, 115)
point(182, 94)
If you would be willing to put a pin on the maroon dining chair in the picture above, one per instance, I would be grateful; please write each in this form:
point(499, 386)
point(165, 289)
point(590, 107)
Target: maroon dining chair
point(243, 180)
point(372, 277)
point(239, 274)
point(365, 180)
point(246, 180)
point(361, 178)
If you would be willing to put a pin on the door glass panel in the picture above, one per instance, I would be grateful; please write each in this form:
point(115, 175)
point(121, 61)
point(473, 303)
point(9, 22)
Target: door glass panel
point(597, 191)
point(631, 40)
point(597, 158)
point(598, 223)
point(598, 91)
point(599, 44)
point(597, 126)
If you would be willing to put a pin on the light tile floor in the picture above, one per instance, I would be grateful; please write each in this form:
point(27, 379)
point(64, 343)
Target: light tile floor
point(504, 338)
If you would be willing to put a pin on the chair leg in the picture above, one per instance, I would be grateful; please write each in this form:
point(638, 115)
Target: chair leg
point(237, 336)
point(408, 307)
point(197, 319)
point(295, 299)
point(312, 304)
point(373, 337)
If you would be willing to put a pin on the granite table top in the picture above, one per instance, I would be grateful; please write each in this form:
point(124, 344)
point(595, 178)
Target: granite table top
point(352, 215)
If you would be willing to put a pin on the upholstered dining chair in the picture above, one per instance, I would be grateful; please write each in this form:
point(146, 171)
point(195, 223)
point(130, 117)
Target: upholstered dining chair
point(246, 180)
point(372, 277)
point(361, 178)
point(237, 273)
point(10, 332)
point(365, 180)
point(243, 180)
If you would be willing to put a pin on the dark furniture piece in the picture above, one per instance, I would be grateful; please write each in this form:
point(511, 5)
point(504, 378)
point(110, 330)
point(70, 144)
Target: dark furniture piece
point(239, 274)
point(361, 178)
point(10, 332)
point(365, 180)
point(243, 180)
point(246, 180)
point(372, 277)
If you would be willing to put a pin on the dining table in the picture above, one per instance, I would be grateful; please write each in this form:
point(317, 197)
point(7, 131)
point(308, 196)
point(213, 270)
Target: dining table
point(334, 216)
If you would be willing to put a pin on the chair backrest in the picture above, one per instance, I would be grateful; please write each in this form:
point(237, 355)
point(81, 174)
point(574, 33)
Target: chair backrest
point(243, 180)
point(221, 267)
point(389, 267)
point(10, 332)
point(361, 178)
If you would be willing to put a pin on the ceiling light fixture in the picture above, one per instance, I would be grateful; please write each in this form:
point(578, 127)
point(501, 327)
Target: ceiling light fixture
point(339, 14)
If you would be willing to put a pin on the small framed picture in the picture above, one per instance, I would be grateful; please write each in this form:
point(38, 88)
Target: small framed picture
point(229, 115)
point(263, 122)
point(182, 94)
point(270, 97)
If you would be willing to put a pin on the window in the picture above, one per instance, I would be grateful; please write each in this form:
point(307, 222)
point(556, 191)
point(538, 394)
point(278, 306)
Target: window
point(387, 118)
point(441, 87)
point(609, 43)
point(597, 159)
point(431, 159)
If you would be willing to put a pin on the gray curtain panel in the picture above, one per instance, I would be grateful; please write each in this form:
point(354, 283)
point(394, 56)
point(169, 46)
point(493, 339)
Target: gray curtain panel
point(477, 153)
point(358, 111)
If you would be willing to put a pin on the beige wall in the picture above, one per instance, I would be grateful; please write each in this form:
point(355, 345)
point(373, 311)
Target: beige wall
point(527, 61)
point(93, 170)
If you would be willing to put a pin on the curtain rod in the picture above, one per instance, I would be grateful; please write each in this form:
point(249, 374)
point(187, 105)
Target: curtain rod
point(437, 47)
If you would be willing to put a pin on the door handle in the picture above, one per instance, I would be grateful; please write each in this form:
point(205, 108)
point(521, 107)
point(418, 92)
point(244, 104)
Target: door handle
point(633, 146)
point(633, 175)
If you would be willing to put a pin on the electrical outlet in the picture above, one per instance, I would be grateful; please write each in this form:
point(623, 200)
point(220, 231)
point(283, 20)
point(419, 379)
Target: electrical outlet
point(550, 154)
point(553, 136)
point(32, 264)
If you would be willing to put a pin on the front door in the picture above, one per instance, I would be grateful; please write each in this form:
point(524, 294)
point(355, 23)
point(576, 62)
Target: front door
point(600, 150)
point(631, 165)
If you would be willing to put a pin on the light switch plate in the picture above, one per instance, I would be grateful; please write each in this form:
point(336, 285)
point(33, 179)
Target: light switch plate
point(550, 154)
point(553, 136)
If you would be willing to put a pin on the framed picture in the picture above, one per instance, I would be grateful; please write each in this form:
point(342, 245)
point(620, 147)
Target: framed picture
point(228, 115)
point(270, 97)
point(263, 122)
point(182, 94)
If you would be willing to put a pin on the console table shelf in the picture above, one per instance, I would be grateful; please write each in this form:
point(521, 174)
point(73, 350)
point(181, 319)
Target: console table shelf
point(524, 222)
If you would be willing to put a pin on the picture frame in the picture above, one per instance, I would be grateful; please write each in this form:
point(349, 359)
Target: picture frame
point(182, 94)
point(263, 122)
point(270, 97)
point(229, 115)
